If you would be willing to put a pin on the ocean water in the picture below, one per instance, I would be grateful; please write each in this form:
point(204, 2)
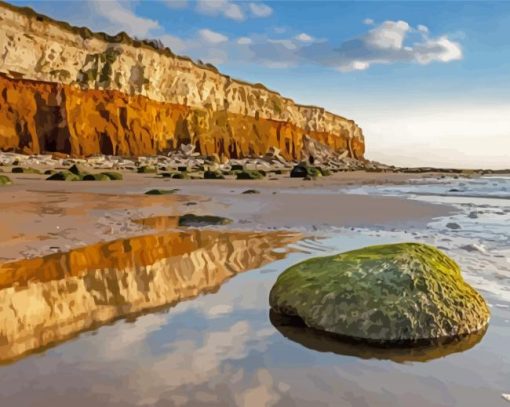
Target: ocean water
point(215, 343)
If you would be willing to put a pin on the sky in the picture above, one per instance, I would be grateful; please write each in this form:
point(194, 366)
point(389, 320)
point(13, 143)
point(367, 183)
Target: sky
point(428, 82)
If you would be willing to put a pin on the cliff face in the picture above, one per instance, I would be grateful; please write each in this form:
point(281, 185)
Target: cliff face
point(67, 89)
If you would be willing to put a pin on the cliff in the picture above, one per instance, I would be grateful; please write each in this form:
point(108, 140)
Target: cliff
point(67, 89)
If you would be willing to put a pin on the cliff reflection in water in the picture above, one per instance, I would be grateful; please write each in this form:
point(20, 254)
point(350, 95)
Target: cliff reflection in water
point(53, 298)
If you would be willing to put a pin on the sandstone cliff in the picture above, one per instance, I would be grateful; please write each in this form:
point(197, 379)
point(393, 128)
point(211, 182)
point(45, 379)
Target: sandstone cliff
point(67, 89)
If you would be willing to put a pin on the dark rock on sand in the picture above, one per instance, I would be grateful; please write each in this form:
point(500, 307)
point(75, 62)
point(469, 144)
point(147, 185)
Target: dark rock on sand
point(453, 225)
point(213, 175)
point(25, 170)
point(250, 174)
point(161, 191)
point(390, 294)
point(63, 176)
point(303, 171)
point(251, 191)
point(196, 220)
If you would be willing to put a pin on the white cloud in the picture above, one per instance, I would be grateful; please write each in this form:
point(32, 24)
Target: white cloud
point(225, 8)
point(124, 18)
point(260, 9)
point(244, 41)
point(368, 21)
point(176, 4)
point(212, 37)
point(390, 42)
point(303, 37)
point(422, 28)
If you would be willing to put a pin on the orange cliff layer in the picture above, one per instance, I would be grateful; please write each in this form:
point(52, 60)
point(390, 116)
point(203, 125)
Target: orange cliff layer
point(66, 89)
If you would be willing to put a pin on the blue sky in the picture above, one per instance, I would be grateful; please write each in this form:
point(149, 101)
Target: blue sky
point(429, 82)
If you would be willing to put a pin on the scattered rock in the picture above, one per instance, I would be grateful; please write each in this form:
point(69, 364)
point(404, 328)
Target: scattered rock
point(213, 175)
point(161, 191)
point(302, 171)
point(22, 170)
point(63, 176)
point(190, 219)
point(144, 169)
point(398, 294)
point(5, 180)
point(114, 176)
point(250, 174)
point(453, 226)
point(95, 177)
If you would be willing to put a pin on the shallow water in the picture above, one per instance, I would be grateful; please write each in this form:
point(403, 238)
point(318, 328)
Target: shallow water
point(223, 347)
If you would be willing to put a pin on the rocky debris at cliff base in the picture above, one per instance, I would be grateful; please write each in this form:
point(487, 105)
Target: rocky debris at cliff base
point(400, 294)
point(186, 163)
point(5, 180)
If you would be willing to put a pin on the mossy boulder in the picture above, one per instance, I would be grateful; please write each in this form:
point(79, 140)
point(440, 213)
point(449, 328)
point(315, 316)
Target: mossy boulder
point(77, 170)
point(95, 177)
point(5, 180)
point(113, 175)
point(145, 169)
point(250, 174)
point(213, 175)
point(63, 176)
point(303, 171)
point(25, 170)
point(404, 293)
point(190, 219)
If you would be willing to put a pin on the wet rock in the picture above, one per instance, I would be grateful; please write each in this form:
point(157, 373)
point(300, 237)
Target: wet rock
point(302, 170)
point(63, 176)
point(114, 176)
point(473, 215)
point(25, 170)
point(96, 177)
point(144, 169)
point(77, 170)
point(213, 175)
point(390, 294)
point(453, 226)
point(5, 180)
point(250, 174)
point(251, 191)
point(190, 219)
point(161, 191)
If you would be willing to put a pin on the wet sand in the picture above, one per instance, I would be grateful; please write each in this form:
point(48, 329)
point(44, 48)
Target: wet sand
point(40, 217)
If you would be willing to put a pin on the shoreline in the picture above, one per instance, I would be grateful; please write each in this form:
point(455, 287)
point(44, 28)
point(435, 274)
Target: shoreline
point(52, 217)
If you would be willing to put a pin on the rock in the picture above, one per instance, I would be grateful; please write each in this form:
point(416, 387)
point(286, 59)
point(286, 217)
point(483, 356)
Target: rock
point(190, 219)
point(251, 191)
point(187, 149)
point(95, 177)
point(77, 170)
point(63, 176)
point(473, 215)
point(250, 174)
point(453, 225)
point(25, 170)
point(404, 293)
point(161, 191)
point(302, 170)
point(114, 176)
point(5, 180)
point(145, 169)
point(213, 175)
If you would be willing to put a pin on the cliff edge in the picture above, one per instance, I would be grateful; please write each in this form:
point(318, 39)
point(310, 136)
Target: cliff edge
point(70, 90)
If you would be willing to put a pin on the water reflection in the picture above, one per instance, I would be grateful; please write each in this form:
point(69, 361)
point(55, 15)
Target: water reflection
point(296, 331)
point(53, 298)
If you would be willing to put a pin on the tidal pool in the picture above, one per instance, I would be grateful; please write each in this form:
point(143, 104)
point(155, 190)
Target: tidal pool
point(158, 321)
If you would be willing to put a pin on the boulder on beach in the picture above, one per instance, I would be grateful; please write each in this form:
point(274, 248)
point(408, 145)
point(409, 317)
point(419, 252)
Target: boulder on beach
point(405, 293)
point(303, 171)
point(5, 180)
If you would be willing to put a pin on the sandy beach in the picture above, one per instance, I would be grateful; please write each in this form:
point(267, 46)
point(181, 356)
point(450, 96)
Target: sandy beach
point(41, 217)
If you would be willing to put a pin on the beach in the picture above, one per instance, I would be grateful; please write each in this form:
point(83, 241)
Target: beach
point(119, 305)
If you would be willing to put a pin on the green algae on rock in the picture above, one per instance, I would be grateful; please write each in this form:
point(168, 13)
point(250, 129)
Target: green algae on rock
point(63, 176)
point(393, 294)
point(5, 180)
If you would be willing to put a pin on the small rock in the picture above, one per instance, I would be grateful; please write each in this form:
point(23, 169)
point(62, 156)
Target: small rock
point(453, 226)
point(161, 191)
point(251, 191)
